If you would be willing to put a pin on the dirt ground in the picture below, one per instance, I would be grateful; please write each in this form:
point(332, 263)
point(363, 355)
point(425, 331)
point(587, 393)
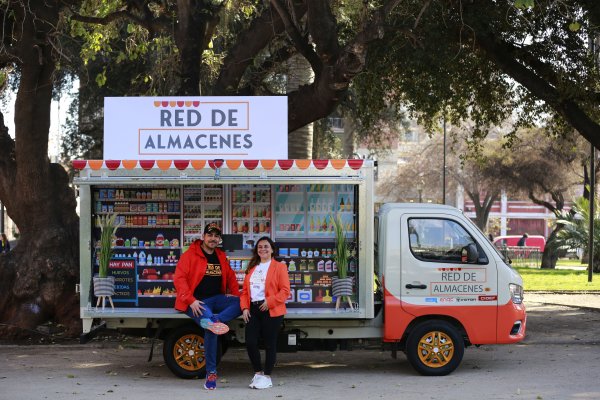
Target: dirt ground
point(559, 359)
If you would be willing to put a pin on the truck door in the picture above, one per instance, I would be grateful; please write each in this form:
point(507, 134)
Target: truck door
point(445, 271)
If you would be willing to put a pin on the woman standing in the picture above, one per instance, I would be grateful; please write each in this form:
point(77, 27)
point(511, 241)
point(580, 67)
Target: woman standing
point(266, 288)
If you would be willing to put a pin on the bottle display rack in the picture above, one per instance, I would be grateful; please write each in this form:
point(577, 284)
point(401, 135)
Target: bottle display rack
point(251, 212)
point(308, 211)
point(202, 205)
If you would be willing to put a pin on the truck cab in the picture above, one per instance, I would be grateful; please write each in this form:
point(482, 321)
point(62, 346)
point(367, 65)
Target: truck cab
point(445, 286)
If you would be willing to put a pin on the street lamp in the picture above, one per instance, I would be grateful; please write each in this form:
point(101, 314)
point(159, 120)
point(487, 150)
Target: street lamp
point(444, 164)
point(420, 190)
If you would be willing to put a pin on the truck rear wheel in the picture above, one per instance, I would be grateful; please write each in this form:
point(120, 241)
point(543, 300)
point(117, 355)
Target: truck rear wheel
point(183, 352)
point(435, 348)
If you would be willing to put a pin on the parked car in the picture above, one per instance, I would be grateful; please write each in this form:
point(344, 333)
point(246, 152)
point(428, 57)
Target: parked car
point(511, 240)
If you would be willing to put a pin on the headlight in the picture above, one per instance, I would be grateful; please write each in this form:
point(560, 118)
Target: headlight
point(516, 293)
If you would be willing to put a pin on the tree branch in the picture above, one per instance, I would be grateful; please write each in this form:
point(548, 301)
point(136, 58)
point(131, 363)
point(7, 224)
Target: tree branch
point(152, 24)
point(258, 35)
point(541, 202)
point(499, 53)
point(323, 30)
point(318, 99)
point(301, 43)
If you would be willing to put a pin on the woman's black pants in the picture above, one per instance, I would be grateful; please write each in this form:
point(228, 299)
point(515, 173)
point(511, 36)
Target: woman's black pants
point(261, 324)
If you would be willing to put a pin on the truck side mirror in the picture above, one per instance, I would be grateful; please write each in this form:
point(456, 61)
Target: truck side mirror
point(414, 239)
point(470, 254)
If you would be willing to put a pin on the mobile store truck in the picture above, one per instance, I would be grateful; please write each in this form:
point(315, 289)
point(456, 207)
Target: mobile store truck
point(443, 286)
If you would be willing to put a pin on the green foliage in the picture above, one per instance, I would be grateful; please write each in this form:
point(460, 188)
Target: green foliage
point(3, 79)
point(440, 70)
point(342, 251)
point(524, 4)
point(101, 78)
point(574, 26)
point(428, 65)
point(108, 228)
point(575, 231)
point(557, 279)
point(326, 144)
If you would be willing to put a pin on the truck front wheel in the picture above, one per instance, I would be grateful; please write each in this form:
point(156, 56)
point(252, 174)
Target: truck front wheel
point(183, 352)
point(435, 348)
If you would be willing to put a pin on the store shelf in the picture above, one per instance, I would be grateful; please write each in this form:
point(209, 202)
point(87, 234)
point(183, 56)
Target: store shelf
point(136, 200)
point(145, 248)
point(157, 265)
point(147, 227)
point(137, 213)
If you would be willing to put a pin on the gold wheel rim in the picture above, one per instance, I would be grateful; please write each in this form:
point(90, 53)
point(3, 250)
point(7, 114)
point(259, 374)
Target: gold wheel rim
point(436, 349)
point(188, 352)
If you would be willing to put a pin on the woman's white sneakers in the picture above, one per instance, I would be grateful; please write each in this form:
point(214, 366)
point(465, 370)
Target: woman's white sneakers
point(254, 380)
point(261, 382)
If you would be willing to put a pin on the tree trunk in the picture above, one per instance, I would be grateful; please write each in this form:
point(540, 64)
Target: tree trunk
point(348, 137)
point(195, 27)
point(550, 255)
point(482, 209)
point(300, 141)
point(38, 277)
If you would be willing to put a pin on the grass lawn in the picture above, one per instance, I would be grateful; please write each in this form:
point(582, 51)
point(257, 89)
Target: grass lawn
point(563, 262)
point(557, 279)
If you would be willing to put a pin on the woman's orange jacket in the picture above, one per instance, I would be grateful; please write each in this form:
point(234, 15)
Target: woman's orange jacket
point(277, 289)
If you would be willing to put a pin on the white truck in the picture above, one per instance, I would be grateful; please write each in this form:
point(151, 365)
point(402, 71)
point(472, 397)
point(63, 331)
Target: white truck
point(425, 280)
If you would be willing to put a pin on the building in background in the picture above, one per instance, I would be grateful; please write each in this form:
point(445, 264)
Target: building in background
point(515, 217)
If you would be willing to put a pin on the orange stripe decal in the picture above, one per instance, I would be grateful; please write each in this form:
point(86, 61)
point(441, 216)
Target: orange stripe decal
point(129, 164)
point(338, 164)
point(303, 164)
point(268, 164)
point(95, 164)
point(164, 164)
point(198, 164)
point(233, 164)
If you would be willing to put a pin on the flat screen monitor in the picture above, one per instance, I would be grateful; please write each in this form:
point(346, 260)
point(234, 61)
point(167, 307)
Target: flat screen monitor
point(232, 242)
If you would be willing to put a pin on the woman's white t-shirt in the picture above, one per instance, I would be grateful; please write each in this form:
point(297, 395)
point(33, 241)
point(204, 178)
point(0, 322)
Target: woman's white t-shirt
point(257, 281)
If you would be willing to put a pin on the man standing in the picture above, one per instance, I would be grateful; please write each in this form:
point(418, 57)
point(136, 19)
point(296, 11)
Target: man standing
point(208, 292)
point(522, 242)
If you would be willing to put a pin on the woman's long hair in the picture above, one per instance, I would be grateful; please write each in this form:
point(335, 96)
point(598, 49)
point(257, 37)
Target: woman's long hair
point(255, 260)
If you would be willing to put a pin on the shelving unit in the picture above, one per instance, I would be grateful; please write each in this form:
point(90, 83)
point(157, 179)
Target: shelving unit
point(251, 212)
point(150, 221)
point(307, 211)
point(310, 271)
point(290, 211)
point(202, 205)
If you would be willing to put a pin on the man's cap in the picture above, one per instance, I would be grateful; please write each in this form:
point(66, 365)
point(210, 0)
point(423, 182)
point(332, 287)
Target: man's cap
point(212, 228)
